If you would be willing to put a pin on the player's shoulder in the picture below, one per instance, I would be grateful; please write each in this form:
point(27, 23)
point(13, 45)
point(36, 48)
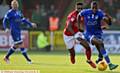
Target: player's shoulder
point(100, 11)
point(71, 14)
point(86, 10)
point(10, 11)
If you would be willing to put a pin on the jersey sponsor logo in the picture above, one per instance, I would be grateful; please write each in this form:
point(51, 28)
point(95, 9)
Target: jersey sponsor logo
point(72, 19)
point(92, 23)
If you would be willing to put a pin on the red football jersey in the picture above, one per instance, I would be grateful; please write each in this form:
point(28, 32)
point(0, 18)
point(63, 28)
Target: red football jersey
point(72, 17)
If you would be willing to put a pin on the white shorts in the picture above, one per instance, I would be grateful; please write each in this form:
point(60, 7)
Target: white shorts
point(70, 41)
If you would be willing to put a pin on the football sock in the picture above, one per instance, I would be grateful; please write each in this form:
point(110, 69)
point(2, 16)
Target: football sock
point(24, 52)
point(105, 55)
point(88, 54)
point(10, 52)
point(72, 52)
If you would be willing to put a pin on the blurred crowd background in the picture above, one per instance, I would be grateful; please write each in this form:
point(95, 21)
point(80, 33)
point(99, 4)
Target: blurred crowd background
point(39, 11)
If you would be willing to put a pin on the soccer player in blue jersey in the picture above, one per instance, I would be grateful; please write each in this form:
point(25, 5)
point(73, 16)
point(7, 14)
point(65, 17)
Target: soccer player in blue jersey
point(15, 19)
point(93, 31)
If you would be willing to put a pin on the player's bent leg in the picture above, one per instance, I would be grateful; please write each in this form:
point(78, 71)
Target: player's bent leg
point(105, 55)
point(88, 53)
point(87, 48)
point(10, 52)
point(24, 52)
point(100, 56)
point(72, 55)
point(95, 42)
point(70, 42)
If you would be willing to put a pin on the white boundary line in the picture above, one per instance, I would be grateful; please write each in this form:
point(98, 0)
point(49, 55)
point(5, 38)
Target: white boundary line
point(19, 71)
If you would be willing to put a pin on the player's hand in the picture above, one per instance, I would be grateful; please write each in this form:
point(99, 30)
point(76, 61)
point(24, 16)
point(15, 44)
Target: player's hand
point(105, 27)
point(7, 30)
point(34, 25)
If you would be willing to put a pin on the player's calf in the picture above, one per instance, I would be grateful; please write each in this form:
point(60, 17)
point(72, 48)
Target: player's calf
point(72, 55)
point(24, 52)
point(9, 53)
point(6, 60)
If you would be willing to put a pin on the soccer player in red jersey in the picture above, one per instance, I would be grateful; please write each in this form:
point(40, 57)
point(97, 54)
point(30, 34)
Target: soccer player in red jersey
point(72, 35)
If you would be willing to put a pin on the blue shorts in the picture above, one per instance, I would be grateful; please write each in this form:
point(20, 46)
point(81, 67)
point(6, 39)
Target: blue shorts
point(89, 37)
point(16, 36)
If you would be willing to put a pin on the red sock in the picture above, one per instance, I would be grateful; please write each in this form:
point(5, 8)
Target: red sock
point(88, 54)
point(72, 55)
point(72, 51)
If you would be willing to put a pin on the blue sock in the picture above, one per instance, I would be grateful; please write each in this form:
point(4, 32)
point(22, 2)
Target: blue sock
point(105, 55)
point(10, 52)
point(24, 52)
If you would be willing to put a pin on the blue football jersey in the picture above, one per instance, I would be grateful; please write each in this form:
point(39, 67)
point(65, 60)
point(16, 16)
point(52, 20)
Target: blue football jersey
point(92, 21)
point(15, 19)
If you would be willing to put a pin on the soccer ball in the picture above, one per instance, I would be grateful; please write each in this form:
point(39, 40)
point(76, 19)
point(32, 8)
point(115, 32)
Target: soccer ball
point(102, 66)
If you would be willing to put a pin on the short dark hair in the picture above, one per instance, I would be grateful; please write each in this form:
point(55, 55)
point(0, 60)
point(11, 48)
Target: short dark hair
point(79, 3)
point(94, 3)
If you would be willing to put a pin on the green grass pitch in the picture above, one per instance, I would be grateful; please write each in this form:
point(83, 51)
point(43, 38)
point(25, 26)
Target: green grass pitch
point(54, 62)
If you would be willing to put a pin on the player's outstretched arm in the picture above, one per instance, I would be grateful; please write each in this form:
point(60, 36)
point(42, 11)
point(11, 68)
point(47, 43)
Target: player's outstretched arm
point(30, 24)
point(34, 25)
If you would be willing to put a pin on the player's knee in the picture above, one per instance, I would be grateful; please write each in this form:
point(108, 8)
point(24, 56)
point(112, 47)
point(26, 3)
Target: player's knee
point(87, 47)
point(85, 44)
point(14, 48)
point(100, 43)
point(17, 45)
point(20, 46)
